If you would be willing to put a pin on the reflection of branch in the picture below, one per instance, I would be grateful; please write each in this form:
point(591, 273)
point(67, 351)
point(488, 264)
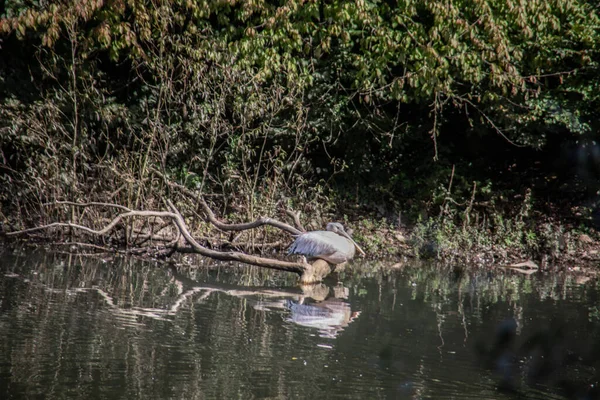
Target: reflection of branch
point(329, 315)
point(134, 312)
point(461, 312)
point(161, 313)
point(440, 321)
point(90, 245)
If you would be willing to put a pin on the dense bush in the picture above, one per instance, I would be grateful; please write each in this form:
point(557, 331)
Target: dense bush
point(263, 102)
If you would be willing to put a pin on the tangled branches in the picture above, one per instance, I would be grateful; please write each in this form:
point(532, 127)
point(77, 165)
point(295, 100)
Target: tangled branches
point(179, 239)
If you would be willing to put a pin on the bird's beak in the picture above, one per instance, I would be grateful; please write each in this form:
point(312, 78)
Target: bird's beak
point(353, 242)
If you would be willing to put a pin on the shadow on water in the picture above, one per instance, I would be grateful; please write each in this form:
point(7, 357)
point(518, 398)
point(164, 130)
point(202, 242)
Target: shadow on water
point(74, 326)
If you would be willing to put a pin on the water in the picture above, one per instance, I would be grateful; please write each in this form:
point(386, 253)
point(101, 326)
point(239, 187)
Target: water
point(116, 328)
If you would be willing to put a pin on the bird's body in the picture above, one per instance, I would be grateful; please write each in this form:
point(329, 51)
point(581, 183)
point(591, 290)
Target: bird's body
point(333, 245)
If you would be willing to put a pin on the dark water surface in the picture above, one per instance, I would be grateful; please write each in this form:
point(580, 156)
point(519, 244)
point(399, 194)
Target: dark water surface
point(83, 327)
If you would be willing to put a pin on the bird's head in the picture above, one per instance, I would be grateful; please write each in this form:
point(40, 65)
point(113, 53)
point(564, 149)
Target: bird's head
point(339, 229)
point(335, 227)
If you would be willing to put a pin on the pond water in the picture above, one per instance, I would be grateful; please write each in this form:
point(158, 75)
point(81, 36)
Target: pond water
point(120, 328)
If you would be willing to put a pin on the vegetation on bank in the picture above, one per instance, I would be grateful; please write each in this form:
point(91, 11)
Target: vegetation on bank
point(472, 122)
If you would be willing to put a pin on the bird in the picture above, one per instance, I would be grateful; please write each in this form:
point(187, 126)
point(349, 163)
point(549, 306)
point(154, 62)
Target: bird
point(333, 245)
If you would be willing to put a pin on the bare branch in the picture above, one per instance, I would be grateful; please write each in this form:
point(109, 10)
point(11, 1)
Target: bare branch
point(296, 218)
point(210, 215)
point(91, 203)
point(100, 232)
point(232, 255)
point(489, 121)
point(308, 273)
point(298, 268)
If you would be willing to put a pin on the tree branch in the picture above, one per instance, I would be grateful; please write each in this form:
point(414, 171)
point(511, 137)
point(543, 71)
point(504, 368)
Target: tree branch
point(91, 203)
point(296, 218)
point(210, 215)
point(177, 218)
point(232, 255)
point(489, 121)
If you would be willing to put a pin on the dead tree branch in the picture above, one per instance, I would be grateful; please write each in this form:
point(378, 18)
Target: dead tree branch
point(295, 216)
point(88, 204)
point(179, 221)
point(101, 232)
point(210, 215)
point(298, 268)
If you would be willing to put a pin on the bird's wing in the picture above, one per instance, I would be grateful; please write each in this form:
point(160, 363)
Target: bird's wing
point(312, 244)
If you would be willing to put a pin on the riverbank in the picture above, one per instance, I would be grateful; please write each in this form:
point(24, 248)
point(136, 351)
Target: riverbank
point(527, 247)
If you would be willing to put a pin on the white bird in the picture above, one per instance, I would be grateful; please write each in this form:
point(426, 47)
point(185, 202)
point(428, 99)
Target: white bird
point(333, 245)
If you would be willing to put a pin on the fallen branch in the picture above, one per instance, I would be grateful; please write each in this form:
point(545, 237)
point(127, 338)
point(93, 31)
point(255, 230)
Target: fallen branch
point(296, 218)
point(100, 232)
point(298, 268)
point(177, 218)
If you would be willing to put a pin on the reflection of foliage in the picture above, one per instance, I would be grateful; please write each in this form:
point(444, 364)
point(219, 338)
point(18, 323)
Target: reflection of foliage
point(594, 313)
point(67, 327)
point(439, 283)
point(56, 334)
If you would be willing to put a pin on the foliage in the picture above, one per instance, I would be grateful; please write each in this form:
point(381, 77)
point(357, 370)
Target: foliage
point(275, 103)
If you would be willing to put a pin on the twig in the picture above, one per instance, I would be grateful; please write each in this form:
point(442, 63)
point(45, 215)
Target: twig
point(296, 218)
point(210, 215)
point(434, 130)
point(489, 120)
point(561, 73)
point(443, 207)
point(88, 204)
point(470, 207)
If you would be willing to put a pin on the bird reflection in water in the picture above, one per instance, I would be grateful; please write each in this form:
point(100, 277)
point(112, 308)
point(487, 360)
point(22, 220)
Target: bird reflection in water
point(329, 316)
